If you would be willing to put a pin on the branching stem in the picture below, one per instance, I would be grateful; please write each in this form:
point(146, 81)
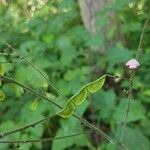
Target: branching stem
point(35, 68)
point(130, 95)
point(86, 123)
point(2, 135)
point(39, 140)
point(142, 36)
point(132, 74)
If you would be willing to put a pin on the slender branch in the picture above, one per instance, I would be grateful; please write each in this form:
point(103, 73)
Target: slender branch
point(14, 147)
point(35, 68)
point(5, 62)
point(86, 123)
point(142, 36)
point(130, 95)
point(5, 54)
point(38, 140)
point(30, 90)
point(100, 132)
point(2, 135)
point(132, 74)
point(4, 50)
point(96, 129)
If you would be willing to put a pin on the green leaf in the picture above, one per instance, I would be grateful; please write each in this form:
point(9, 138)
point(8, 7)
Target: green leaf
point(134, 139)
point(132, 27)
point(34, 105)
point(136, 111)
point(70, 127)
point(101, 21)
point(105, 103)
point(118, 55)
point(42, 63)
point(26, 74)
point(71, 74)
point(145, 126)
point(2, 95)
point(69, 53)
point(19, 90)
point(111, 32)
point(96, 40)
point(1, 70)
point(147, 92)
point(96, 85)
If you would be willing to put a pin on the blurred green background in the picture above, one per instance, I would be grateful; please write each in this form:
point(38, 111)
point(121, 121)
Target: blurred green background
point(71, 46)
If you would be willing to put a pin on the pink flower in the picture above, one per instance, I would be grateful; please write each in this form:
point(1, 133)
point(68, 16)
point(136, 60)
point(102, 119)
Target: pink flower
point(133, 64)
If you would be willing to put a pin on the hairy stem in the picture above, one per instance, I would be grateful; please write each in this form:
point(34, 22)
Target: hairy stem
point(39, 140)
point(52, 88)
point(86, 123)
point(142, 36)
point(2, 135)
point(130, 95)
point(132, 74)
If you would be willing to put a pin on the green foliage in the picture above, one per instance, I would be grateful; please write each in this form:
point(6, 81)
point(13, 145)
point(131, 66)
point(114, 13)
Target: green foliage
point(136, 111)
point(51, 35)
point(65, 130)
point(2, 95)
point(139, 141)
point(69, 127)
point(1, 70)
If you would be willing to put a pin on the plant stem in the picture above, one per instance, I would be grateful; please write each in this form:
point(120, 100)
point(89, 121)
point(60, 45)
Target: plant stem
point(142, 36)
point(86, 123)
point(130, 95)
point(97, 130)
point(2, 135)
point(5, 54)
point(30, 90)
point(132, 74)
point(39, 140)
point(52, 88)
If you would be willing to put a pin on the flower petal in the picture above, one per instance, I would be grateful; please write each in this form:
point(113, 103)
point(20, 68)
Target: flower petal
point(133, 64)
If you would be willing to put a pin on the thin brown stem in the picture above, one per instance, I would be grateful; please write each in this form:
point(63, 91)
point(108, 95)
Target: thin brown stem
point(30, 90)
point(142, 36)
point(2, 135)
point(130, 95)
point(39, 140)
point(5, 62)
point(86, 123)
point(5, 54)
point(36, 69)
point(132, 74)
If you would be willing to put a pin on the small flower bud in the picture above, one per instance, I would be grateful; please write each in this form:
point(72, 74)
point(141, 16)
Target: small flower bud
point(133, 64)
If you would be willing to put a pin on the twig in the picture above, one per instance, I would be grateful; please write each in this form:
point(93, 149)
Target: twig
point(97, 130)
point(30, 90)
point(142, 36)
point(35, 68)
point(130, 95)
point(86, 123)
point(39, 140)
point(6, 62)
point(15, 147)
point(2, 135)
point(4, 50)
point(132, 74)
point(5, 54)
